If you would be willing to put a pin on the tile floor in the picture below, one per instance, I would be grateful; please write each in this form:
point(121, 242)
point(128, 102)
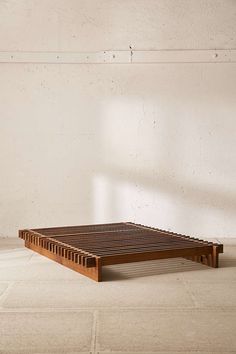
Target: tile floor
point(168, 306)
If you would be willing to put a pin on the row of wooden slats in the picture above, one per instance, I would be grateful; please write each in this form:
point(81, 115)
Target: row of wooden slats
point(60, 249)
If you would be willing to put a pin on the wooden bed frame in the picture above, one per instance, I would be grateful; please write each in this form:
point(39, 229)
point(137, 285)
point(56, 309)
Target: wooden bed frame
point(86, 249)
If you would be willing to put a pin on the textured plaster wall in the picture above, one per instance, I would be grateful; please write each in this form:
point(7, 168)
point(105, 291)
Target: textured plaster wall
point(83, 143)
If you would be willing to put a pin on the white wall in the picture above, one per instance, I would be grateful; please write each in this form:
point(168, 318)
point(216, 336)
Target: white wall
point(149, 143)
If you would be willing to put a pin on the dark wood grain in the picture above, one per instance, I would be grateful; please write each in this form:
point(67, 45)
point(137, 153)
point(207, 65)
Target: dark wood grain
point(87, 248)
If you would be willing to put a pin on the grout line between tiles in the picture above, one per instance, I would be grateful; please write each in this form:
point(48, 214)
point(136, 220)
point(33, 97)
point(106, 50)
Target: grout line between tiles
point(94, 332)
point(4, 296)
point(223, 309)
point(189, 291)
point(166, 351)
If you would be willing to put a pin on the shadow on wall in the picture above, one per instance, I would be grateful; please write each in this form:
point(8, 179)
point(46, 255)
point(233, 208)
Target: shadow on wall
point(153, 144)
point(165, 158)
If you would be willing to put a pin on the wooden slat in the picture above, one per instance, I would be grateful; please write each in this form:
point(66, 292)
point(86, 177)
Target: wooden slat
point(83, 228)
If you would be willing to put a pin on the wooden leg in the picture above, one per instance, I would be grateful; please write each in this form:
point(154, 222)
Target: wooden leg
point(215, 257)
point(204, 259)
point(209, 260)
point(98, 270)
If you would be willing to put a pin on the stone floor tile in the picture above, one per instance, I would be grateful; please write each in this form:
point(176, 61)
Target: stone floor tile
point(213, 294)
point(166, 330)
point(87, 293)
point(46, 332)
